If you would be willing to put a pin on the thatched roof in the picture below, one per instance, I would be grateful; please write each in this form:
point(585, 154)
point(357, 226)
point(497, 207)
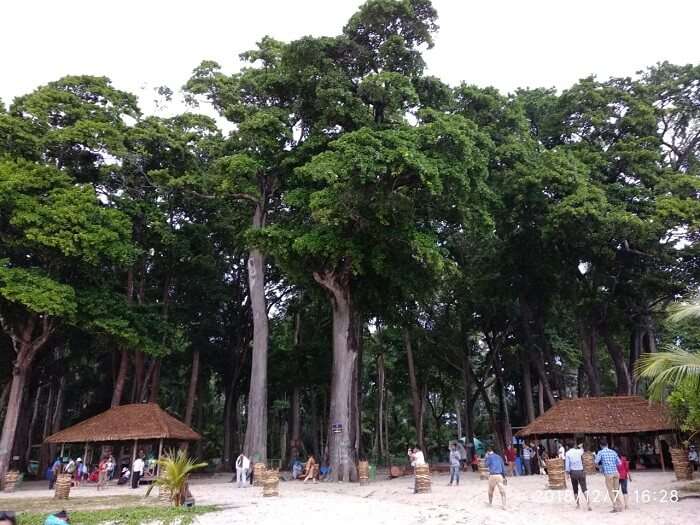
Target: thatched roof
point(126, 423)
point(600, 415)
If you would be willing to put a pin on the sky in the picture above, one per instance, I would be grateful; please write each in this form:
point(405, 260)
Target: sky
point(144, 44)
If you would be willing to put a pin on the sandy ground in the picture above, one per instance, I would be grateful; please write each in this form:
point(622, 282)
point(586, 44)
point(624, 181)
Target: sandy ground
point(393, 502)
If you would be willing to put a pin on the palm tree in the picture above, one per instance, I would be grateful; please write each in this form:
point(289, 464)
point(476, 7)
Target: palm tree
point(675, 366)
point(176, 468)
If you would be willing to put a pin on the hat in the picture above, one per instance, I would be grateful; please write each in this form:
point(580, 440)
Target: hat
point(580, 445)
point(78, 459)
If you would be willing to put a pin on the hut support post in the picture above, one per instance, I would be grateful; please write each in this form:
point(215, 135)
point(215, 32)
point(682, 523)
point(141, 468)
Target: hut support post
point(133, 453)
point(63, 450)
point(160, 453)
point(85, 453)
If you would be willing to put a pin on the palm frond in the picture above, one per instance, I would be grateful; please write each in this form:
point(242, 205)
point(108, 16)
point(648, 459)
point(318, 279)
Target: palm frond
point(683, 311)
point(176, 468)
point(667, 369)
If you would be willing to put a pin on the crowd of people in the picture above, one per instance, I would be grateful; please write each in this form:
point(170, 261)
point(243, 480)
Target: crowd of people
point(101, 473)
point(531, 459)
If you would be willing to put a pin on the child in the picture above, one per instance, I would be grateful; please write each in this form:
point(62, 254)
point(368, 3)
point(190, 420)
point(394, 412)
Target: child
point(623, 470)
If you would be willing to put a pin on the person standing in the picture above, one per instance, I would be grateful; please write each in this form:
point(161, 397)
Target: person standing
point(137, 472)
point(102, 474)
point(242, 468)
point(455, 459)
point(55, 471)
point(110, 468)
point(608, 460)
point(573, 464)
point(497, 475)
point(510, 460)
point(561, 452)
point(623, 470)
point(527, 459)
point(693, 457)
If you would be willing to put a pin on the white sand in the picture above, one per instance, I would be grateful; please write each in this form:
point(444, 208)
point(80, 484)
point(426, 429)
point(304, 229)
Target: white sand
point(393, 502)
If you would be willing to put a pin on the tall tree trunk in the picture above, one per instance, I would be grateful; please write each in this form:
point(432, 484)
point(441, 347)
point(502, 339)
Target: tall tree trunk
point(417, 402)
point(295, 438)
point(467, 383)
point(32, 423)
point(44, 457)
point(589, 346)
point(380, 406)
point(540, 398)
point(359, 447)
point(139, 376)
point(192, 390)
point(155, 382)
point(3, 399)
point(315, 427)
point(118, 392)
point(527, 390)
point(27, 340)
point(256, 428)
point(228, 428)
point(622, 373)
point(9, 427)
point(201, 394)
point(341, 445)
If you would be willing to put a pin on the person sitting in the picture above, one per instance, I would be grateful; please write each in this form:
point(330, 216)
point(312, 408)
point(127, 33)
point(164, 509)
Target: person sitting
point(310, 469)
point(124, 476)
point(324, 473)
point(297, 469)
point(59, 518)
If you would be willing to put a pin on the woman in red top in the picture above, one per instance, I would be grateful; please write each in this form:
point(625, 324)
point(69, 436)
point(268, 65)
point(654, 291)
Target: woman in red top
point(510, 459)
point(623, 469)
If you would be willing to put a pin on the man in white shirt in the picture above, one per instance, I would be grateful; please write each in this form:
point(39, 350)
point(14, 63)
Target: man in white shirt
point(561, 452)
point(137, 472)
point(242, 468)
point(418, 458)
point(573, 461)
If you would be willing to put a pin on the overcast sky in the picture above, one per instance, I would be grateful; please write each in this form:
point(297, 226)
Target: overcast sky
point(505, 43)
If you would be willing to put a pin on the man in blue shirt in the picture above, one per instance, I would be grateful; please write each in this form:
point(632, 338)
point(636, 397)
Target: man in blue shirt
point(573, 461)
point(497, 475)
point(608, 460)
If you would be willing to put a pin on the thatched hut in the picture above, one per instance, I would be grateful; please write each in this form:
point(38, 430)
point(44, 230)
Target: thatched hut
point(620, 419)
point(126, 427)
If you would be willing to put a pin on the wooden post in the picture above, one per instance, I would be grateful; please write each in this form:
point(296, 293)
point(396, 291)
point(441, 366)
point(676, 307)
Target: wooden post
point(63, 449)
point(160, 453)
point(657, 443)
point(133, 455)
point(85, 453)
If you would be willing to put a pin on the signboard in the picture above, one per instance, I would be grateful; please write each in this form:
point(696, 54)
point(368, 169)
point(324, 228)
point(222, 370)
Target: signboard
point(337, 428)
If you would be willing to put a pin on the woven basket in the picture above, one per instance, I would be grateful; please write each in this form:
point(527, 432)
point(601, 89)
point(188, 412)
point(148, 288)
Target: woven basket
point(363, 472)
point(423, 482)
point(62, 486)
point(588, 459)
point(11, 478)
point(555, 474)
point(259, 474)
point(271, 483)
point(681, 465)
point(164, 494)
point(483, 469)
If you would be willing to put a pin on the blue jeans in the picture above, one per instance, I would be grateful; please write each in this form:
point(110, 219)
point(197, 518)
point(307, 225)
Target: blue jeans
point(454, 475)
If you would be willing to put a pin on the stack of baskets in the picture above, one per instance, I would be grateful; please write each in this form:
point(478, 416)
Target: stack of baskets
point(589, 462)
point(271, 482)
point(363, 472)
point(423, 482)
point(681, 465)
point(483, 469)
point(164, 494)
point(259, 474)
point(62, 490)
point(555, 473)
point(11, 479)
